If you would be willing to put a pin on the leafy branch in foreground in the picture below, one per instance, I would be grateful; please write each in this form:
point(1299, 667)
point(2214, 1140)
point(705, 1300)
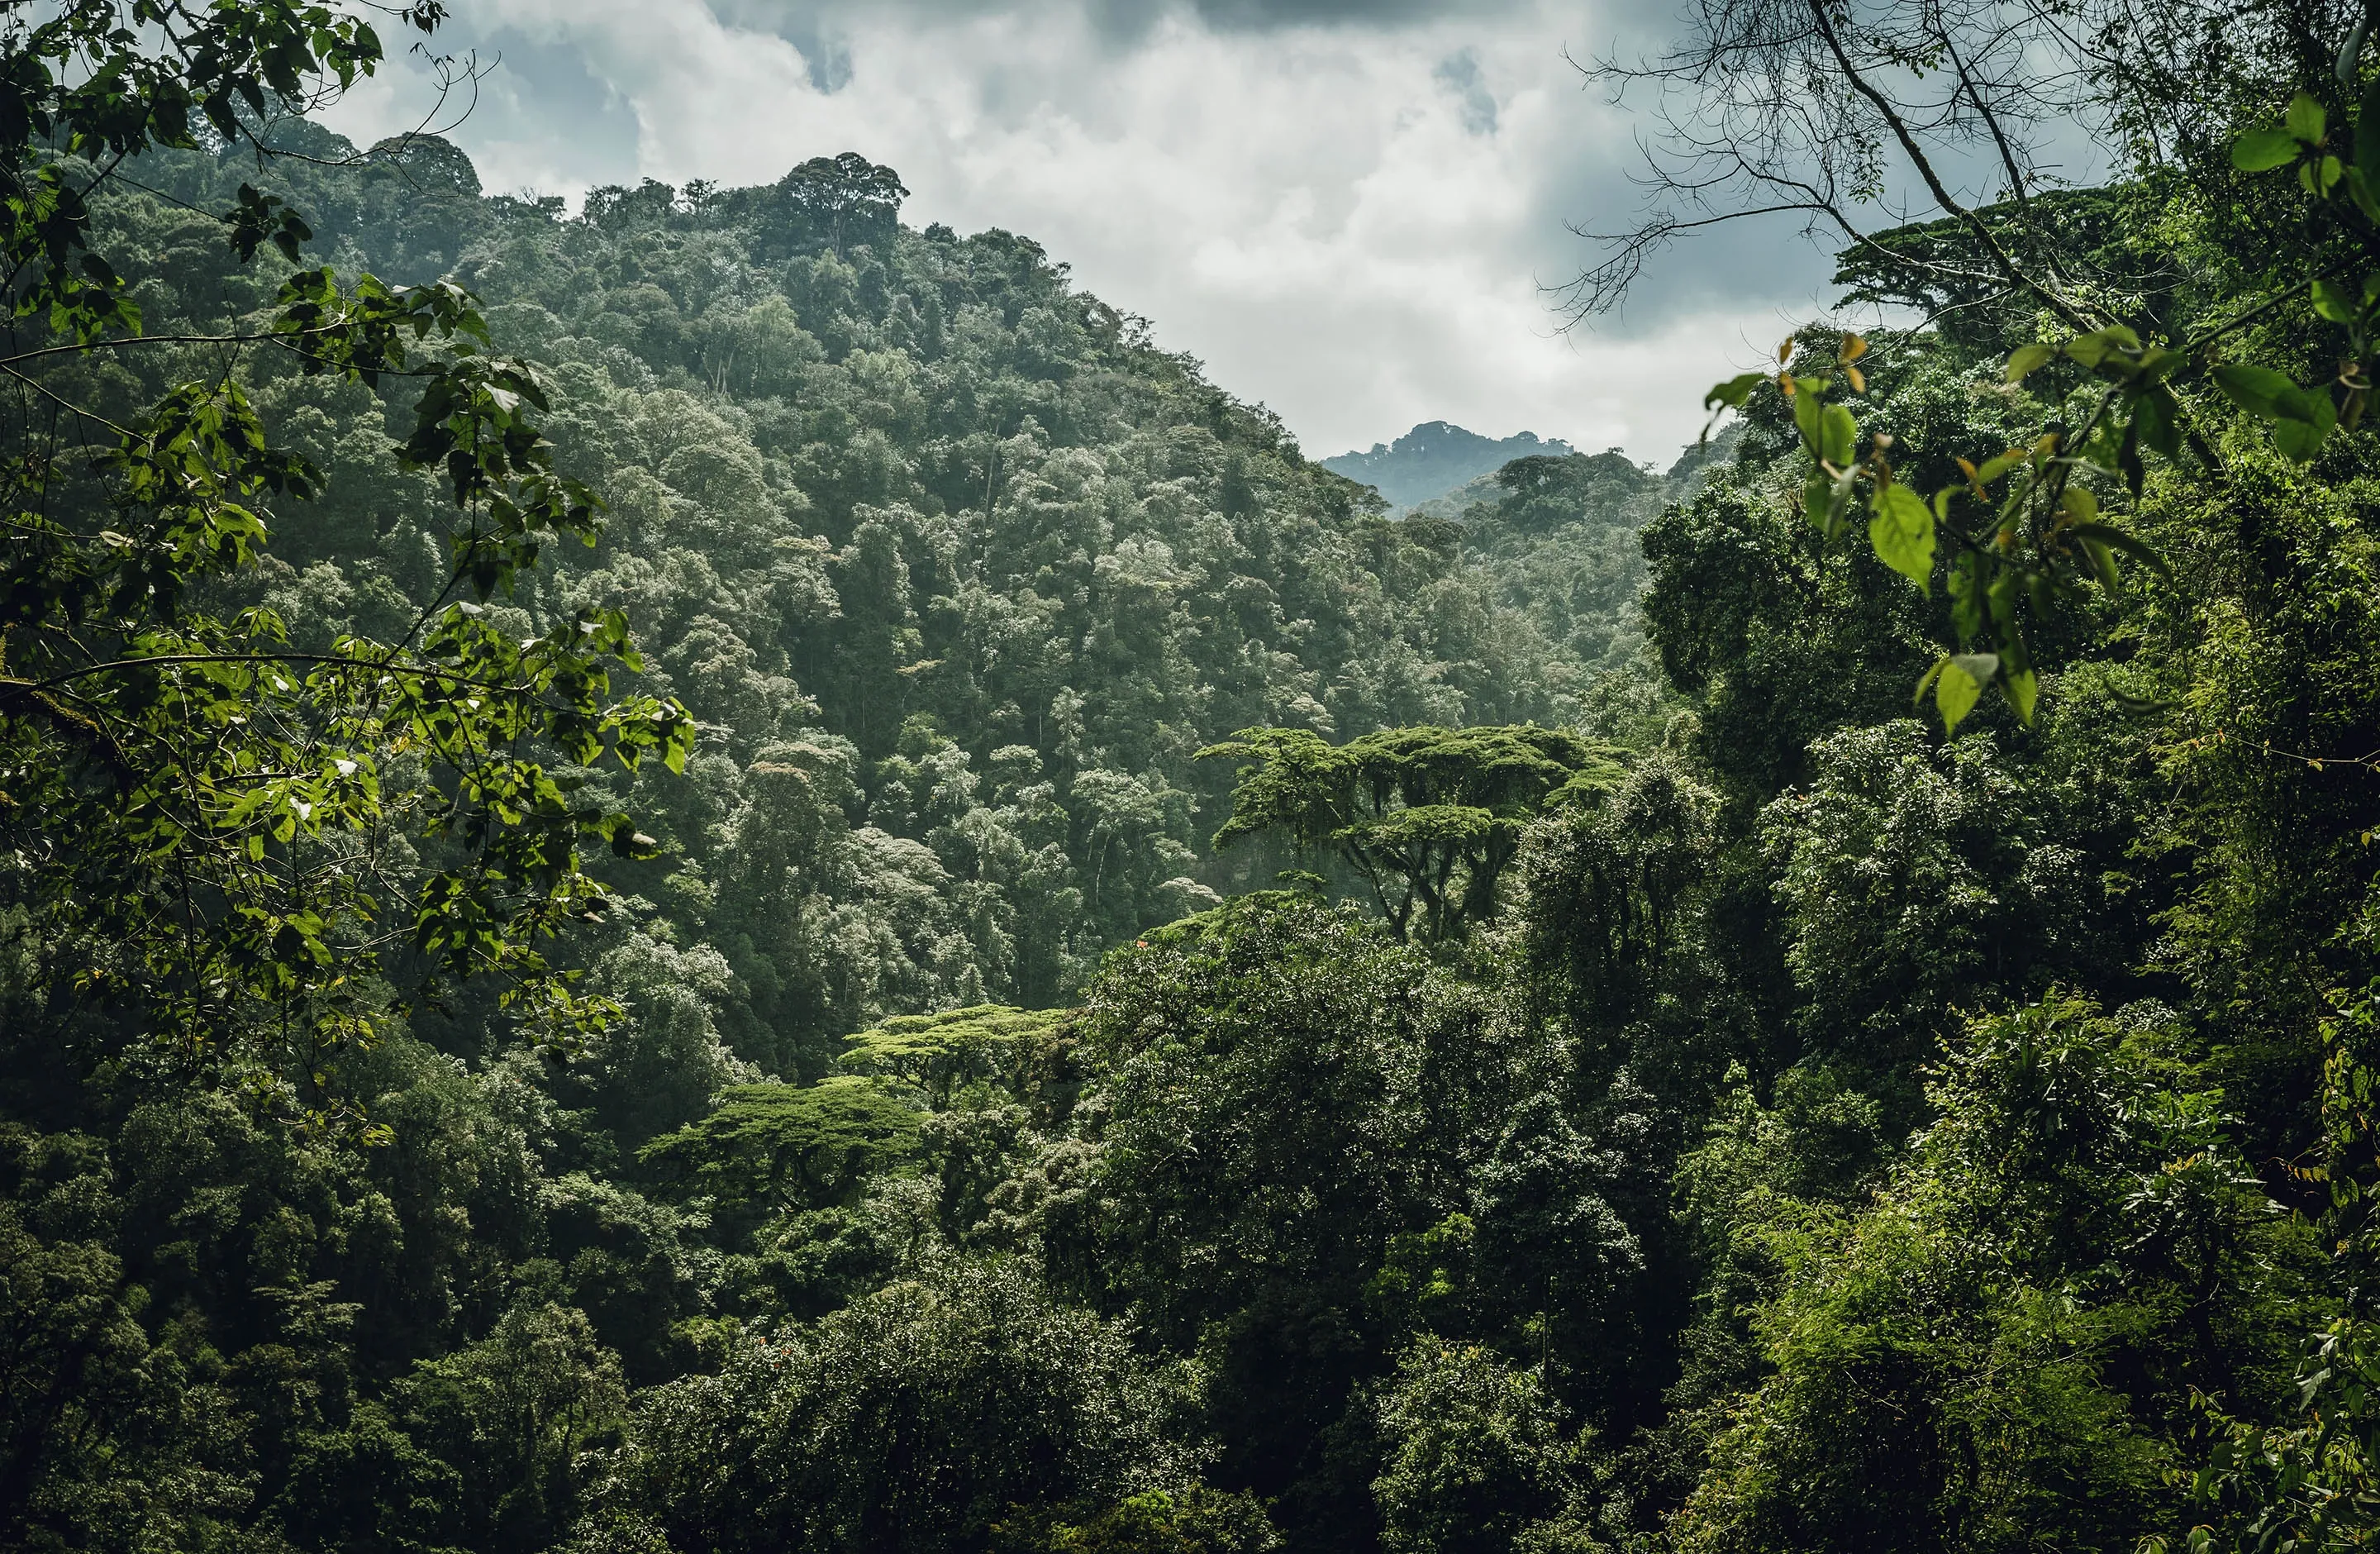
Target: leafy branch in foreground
point(214, 829)
point(2032, 542)
point(2024, 529)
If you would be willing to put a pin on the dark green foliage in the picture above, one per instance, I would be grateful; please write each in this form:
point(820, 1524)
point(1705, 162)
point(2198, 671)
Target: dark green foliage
point(1732, 1113)
point(1194, 1520)
point(1477, 1459)
point(917, 1418)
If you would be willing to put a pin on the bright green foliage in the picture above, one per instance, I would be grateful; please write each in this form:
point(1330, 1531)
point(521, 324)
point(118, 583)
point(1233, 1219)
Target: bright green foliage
point(1429, 818)
point(807, 1146)
point(216, 795)
point(941, 1054)
point(2074, 1237)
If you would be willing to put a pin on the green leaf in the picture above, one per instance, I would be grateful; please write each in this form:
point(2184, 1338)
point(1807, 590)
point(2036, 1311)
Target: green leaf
point(2021, 688)
point(2118, 539)
point(2096, 347)
point(2027, 359)
point(2305, 120)
point(1817, 497)
point(2299, 434)
point(2358, 189)
point(2001, 463)
point(2260, 151)
point(1902, 533)
point(2333, 302)
point(1841, 432)
point(1809, 414)
point(1734, 392)
point(2155, 422)
point(2258, 390)
point(1959, 681)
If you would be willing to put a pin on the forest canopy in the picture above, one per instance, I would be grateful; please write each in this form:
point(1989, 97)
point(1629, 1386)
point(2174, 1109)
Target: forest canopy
point(721, 873)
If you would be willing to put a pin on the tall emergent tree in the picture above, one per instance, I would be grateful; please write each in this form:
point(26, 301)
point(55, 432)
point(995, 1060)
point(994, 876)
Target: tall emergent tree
point(1431, 817)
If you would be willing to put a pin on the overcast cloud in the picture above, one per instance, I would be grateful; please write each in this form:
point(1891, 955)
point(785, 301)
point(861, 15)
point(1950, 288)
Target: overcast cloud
point(1349, 212)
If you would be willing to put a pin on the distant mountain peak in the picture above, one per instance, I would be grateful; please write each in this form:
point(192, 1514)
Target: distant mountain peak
point(1435, 458)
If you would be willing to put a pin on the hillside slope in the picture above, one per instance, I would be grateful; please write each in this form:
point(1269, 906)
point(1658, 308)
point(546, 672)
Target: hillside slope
point(908, 514)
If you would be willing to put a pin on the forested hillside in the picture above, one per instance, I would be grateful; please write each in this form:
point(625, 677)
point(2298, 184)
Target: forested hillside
point(716, 874)
point(956, 572)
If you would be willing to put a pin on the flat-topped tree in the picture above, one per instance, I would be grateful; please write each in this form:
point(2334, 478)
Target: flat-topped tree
point(939, 1054)
point(807, 1145)
point(1430, 817)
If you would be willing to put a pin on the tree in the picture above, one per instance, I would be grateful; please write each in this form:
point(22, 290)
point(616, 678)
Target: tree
point(1429, 818)
point(807, 1146)
point(1478, 1458)
point(940, 1054)
point(919, 1418)
point(212, 829)
point(2021, 1396)
point(835, 203)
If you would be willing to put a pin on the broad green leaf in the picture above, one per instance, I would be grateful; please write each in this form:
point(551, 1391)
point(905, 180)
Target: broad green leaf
point(2096, 347)
point(2103, 564)
point(1841, 432)
point(1902, 532)
point(1734, 392)
point(1809, 413)
point(2358, 189)
point(2022, 690)
point(2258, 390)
point(2333, 303)
point(2027, 359)
point(2119, 540)
point(1957, 686)
point(2155, 423)
point(2001, 463)
point(2305, 120)
point(1817, 500)
point(2308, 417)
point(2321, 175)
point(2260, 151)
point(1966, 594)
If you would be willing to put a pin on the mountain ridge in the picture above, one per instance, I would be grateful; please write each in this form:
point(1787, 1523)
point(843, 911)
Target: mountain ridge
point(1436, 457)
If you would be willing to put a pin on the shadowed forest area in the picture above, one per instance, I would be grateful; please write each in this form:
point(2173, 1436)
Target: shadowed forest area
point(721, 874)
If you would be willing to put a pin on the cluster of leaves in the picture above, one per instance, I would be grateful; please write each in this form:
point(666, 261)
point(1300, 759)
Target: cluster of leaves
point(201, 811)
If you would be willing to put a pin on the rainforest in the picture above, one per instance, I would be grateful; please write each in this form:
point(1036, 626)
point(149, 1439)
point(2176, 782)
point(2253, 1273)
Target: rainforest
point(716, 872)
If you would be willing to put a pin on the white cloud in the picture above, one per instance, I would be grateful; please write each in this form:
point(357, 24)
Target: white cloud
point(1347, 219)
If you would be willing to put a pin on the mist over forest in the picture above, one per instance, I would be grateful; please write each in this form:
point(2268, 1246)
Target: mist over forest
point(719, 872)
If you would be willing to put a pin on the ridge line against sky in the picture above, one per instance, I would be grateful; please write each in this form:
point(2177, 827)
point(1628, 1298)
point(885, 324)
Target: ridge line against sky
point(1349, 213)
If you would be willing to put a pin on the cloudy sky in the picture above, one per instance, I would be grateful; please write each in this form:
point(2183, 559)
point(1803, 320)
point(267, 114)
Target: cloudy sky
point(1350, 212)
